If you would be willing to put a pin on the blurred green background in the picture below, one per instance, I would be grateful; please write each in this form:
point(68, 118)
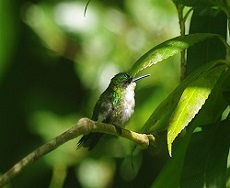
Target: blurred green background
point(55, 62)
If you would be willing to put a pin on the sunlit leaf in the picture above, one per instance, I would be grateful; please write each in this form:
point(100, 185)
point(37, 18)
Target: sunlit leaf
point(167, 49)
point(159, 120)
point(176, 164)
point(191, 101)
point(215, 105)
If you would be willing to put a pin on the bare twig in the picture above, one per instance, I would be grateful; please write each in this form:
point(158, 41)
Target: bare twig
point(180, 9)
point(182, 19)
point(84, 126)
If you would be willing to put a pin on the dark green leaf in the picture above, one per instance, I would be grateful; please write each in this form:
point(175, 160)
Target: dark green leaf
point(216, 163)
point(226, 88)
point(206, 159)
point(206, 21)
point(8, 35)
point(199, 3)
point(171, 173)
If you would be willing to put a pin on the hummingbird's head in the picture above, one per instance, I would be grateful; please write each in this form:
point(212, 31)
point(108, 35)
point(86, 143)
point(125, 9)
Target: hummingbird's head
point(121, 80)
point(124, 79)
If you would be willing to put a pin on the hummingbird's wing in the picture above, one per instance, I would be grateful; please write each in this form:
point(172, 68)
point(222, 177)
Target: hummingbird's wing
point(89, 141)
point(103, 111)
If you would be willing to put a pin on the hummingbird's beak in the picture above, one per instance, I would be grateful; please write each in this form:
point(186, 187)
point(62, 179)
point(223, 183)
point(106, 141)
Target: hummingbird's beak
point(138, 78)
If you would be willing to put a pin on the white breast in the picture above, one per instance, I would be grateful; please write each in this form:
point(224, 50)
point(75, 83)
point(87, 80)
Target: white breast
point(129, 103)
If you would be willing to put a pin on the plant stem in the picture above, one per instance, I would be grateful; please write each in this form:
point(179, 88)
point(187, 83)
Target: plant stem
point(180, 9)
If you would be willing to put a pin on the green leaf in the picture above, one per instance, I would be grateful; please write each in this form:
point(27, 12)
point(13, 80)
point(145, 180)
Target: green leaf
point(216, 163)
point(159, 120)
point(191, 101)
point(196, 154)
point(167, 49)
point(171, 173)
point(210, 157)
point(8, 35)
point(226, 89)
point(200, 3)
point(206, 159)
point(215, 105)
point(206, 21)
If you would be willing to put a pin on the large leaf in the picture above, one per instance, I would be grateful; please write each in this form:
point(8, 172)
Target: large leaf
point(226, 87)
point(215, 161)
point(159, 120)
point(208, 21)
point(167, 49)
point(191, 101)
point(215, 105)
point(206, 160)
point(200, 3)
point(8, 35)
point(171, 173)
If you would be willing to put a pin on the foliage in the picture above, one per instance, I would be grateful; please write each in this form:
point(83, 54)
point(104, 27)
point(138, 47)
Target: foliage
point(48, 86)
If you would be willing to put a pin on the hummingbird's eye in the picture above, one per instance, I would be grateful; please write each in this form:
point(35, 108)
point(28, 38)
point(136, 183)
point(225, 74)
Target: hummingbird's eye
point(122, 78)
point(128, 79)
point(126, 82)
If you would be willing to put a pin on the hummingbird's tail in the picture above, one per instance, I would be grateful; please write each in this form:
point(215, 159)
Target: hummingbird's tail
point(89, 141)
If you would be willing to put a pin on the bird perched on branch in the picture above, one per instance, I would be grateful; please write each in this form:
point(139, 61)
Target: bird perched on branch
point(115, 106)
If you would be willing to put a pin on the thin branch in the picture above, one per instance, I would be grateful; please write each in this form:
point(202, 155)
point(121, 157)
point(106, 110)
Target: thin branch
point(180, 9)
point(182, 19)
point(83, 126)
point(86, 7)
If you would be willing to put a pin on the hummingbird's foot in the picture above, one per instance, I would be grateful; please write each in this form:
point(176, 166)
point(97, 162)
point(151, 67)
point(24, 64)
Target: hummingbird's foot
point(118, 129)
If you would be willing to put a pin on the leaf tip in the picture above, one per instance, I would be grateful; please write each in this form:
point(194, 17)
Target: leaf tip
point(170, 149)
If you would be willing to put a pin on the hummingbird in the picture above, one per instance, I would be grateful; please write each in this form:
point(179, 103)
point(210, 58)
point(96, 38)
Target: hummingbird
point(115, 106)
